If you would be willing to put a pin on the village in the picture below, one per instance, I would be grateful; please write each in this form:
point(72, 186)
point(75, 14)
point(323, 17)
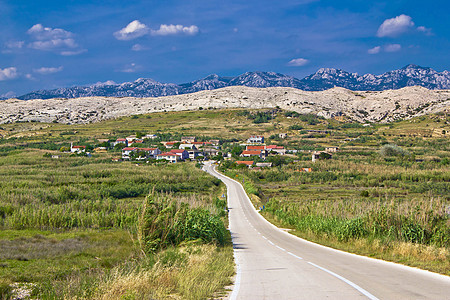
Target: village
point(253, 152)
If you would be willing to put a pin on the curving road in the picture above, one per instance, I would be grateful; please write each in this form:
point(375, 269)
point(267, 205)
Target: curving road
point(273, 264)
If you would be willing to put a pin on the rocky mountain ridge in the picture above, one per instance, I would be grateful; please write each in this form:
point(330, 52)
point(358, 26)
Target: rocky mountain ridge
point(323, 79)
point(366, 106)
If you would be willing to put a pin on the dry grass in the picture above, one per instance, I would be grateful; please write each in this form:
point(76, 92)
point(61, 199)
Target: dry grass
point(197, 272)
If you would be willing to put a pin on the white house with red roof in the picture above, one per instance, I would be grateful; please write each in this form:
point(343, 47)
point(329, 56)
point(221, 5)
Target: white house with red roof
point(250, 153)
point(77, 149)
point(182, 153)
point(169, 156)
point(278, 149)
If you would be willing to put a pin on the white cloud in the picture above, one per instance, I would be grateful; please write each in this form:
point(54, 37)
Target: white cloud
point(100, 84)
point(53, 44)
point(425, 30)
point(40, 32)
point(392, 48)
point(138, 47)
point(297, 62)
point(8, 73)
point(29, 76)
point(133, 30)
point(374, 50)
point(48, 70)
point(53, 39)
point(71, 53)
point(395, 26)
point(14, 44)
point(175, 29)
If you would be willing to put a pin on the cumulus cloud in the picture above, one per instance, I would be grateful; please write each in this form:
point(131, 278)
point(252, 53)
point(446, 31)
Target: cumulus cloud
point(46, 33)
point(374, 50)
point(8, 73)
point(395, 26)
point(425, 30)
point(133, 30)
point(297, 62)
point(53, 39)
point(48, 70)
point(175, 29)
point(392, 48)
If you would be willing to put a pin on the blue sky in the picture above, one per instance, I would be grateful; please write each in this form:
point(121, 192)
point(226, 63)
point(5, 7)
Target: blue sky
point(48, 44)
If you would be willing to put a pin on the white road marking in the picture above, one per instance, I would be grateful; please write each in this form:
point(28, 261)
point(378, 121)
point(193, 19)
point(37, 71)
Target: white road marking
point(294, 255)
point(355, 286)
point(282, 249)
point(237, 282)
point(271, 243)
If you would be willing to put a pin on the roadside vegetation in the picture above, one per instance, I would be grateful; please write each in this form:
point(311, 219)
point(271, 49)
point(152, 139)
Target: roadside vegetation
point(93, 228)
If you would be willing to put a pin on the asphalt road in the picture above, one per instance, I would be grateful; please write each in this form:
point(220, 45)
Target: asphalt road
point(273, 264)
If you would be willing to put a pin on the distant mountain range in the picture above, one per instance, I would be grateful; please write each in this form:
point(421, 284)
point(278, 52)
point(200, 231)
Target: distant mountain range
point(323, 79)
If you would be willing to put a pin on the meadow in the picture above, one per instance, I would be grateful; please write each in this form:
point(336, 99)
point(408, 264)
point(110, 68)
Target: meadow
point(74, 227)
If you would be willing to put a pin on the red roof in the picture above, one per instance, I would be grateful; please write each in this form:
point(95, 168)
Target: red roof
point(167, 154)
point(79, 147)
point(244, 162)
point(177, 150)
point(256, 147)
point(129, 149)
point(251, 152)
point(121, 140)
point(171, 143)
point(147, 149)
point(201, 143)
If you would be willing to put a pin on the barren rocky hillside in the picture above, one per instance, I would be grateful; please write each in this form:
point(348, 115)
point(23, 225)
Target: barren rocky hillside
point(372, 106)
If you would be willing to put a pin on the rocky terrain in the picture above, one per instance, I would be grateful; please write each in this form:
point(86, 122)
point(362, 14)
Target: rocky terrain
point(323, 79)
point(362, 106)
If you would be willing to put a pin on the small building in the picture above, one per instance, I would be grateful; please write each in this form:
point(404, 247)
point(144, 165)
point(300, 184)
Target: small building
point(188, 139)
point(169, 145)
point(255, 148)
point(169, 156)
point(77, 149)
point(283, 135)
point(150, 152)
point(187, 146)
point(100, 150)
point(256, 139)
point(127, 152)
point(244, 162)
point(183, 154)
point(150, 136)
point(277, 149)
point(194, 153)
point(331, 149)
point(215, 142)
point(121, 141)
point(210, 151)
point(249, 153)
point(320, 155)
point(264, 164)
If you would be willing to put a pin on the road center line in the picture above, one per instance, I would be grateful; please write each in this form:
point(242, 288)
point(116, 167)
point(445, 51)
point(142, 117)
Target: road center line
point(357, 287)
point(294, 255)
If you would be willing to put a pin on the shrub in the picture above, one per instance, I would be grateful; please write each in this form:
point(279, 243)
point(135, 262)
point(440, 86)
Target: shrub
point(392, 150)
